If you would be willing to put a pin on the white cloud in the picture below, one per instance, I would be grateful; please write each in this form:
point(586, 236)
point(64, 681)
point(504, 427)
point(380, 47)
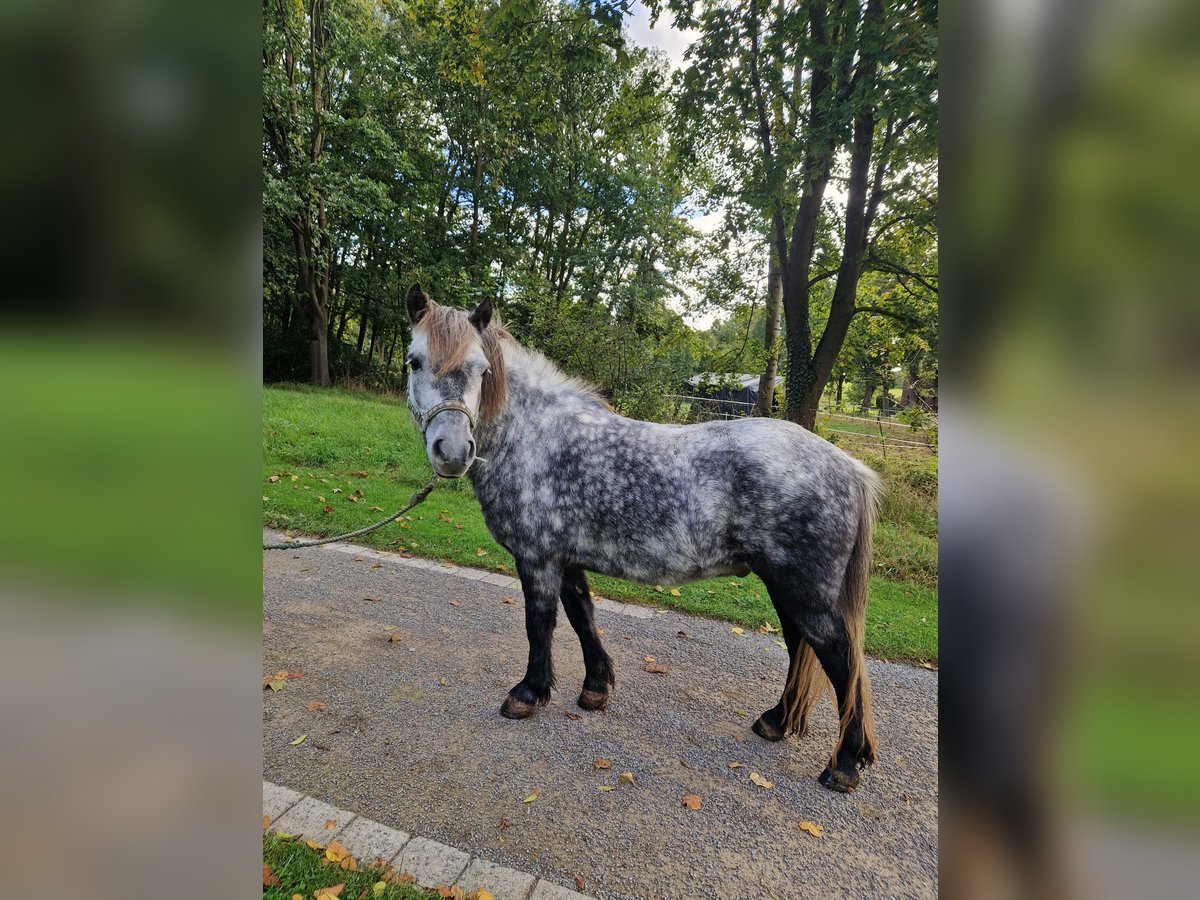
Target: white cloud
point(672, 41)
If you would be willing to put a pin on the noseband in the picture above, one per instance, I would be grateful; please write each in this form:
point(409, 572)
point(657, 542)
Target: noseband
point(424, 420)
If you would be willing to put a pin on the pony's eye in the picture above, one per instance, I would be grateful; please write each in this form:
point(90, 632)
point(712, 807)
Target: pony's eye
point(414, 363)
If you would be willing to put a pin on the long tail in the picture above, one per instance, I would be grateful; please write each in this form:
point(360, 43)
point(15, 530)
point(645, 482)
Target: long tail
point(807, 682)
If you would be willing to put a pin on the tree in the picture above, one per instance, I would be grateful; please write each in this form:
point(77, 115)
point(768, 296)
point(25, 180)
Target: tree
point(790, 95)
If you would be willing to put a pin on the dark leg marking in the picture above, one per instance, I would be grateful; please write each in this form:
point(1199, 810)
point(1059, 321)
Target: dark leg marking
point(577, 601)
point(540, 584)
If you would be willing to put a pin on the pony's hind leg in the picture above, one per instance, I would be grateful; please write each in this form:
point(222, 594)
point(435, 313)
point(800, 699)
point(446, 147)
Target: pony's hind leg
point(822, 653)
point(854, 749)
point(577, 601)
point(540, 583)
point(772, 724)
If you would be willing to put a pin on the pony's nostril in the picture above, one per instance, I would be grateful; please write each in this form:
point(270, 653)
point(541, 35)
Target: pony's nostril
point(470, 449)
point(437, 448)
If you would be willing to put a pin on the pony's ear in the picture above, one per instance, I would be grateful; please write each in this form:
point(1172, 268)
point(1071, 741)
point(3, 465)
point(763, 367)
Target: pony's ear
point(482, 314)
point(418, 303)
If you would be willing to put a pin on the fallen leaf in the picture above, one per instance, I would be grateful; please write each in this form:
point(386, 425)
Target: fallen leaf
point(300, 740)
point(297, 897)
point(600, 631)
point(272, 682)
point(504, 823)
point(269, 880)
point(674, 592)
point(480, 552)
point(737, 630)
point(682, 634)
point(360, 474)
point(378, 888)
point(335, 852)
point(320, 499)
point(533, 796)
point(327, 508)
point(579, 882)
point(767, 628)
point(395, 637)
point(456, 603)
point(330, 824)
point(812, 828)
point(483, 894)
point(602, 763)
point(628, 777)
point(604, 788)
point(377, 566)
point(337, 490)
point(736, 765)
point(376, 509)
point(266, 498)
point(574, 717)
point(273, 478)
point(313, 845)
point(659, 588)
point(321, 745)
point(656, 668)
point(266, 822)
point(371, 599)
point(509, 600)
point(451, 893)
point(334, 891)
point(760, 781)
point(929, 666)
point(691, 801)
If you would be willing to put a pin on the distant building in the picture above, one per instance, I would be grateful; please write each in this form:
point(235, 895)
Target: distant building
point(726, 394)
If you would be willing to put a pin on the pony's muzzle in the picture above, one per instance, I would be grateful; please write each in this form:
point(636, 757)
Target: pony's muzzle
point(451, 455)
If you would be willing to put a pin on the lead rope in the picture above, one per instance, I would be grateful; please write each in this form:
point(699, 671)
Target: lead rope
point(416, 498)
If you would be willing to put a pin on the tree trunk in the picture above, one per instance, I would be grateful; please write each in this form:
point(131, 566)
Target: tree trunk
point(766, 384)
point(868, 397)
point(908, 384)
point(319, 345)
point(854, 243)
point(841, 382)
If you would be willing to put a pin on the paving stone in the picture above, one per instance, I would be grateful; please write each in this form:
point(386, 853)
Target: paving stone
point(638, 612)
point(497, 579)
point(277, 800)
point(473, 574)
point(308, 817)
point(368, 841)
point(504, 884)
point(547, 891)
point(430, 863)
point(610, 605)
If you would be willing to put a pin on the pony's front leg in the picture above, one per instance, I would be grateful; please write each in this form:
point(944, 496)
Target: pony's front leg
point(540, 582)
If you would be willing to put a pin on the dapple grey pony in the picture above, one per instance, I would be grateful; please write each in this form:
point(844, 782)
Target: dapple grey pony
point(569, 486)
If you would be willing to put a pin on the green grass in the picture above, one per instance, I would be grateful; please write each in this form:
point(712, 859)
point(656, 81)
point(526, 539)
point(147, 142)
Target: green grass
point(300, 871)
point(317, 440)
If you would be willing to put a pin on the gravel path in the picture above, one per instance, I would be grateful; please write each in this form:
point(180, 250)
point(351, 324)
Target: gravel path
point(411, 735)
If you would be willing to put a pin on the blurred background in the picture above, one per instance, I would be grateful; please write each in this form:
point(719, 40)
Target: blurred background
point(1069, 487)
point(130, 165)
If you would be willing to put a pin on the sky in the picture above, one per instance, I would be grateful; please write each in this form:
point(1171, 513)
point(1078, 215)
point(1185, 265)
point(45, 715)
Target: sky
point(673, 42)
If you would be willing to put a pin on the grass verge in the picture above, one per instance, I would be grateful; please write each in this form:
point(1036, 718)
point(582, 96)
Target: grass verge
point(342, 460)
point(297, 869)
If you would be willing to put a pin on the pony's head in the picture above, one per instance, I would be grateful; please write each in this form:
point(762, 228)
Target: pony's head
point(456, 378)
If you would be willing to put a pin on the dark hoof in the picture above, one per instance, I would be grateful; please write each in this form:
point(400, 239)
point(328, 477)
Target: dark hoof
point(767, 729)
point(592, 699)
point(516, 709)
point(837, 780)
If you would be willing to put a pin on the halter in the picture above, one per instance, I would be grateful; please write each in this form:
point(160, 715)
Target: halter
point(424, 420)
